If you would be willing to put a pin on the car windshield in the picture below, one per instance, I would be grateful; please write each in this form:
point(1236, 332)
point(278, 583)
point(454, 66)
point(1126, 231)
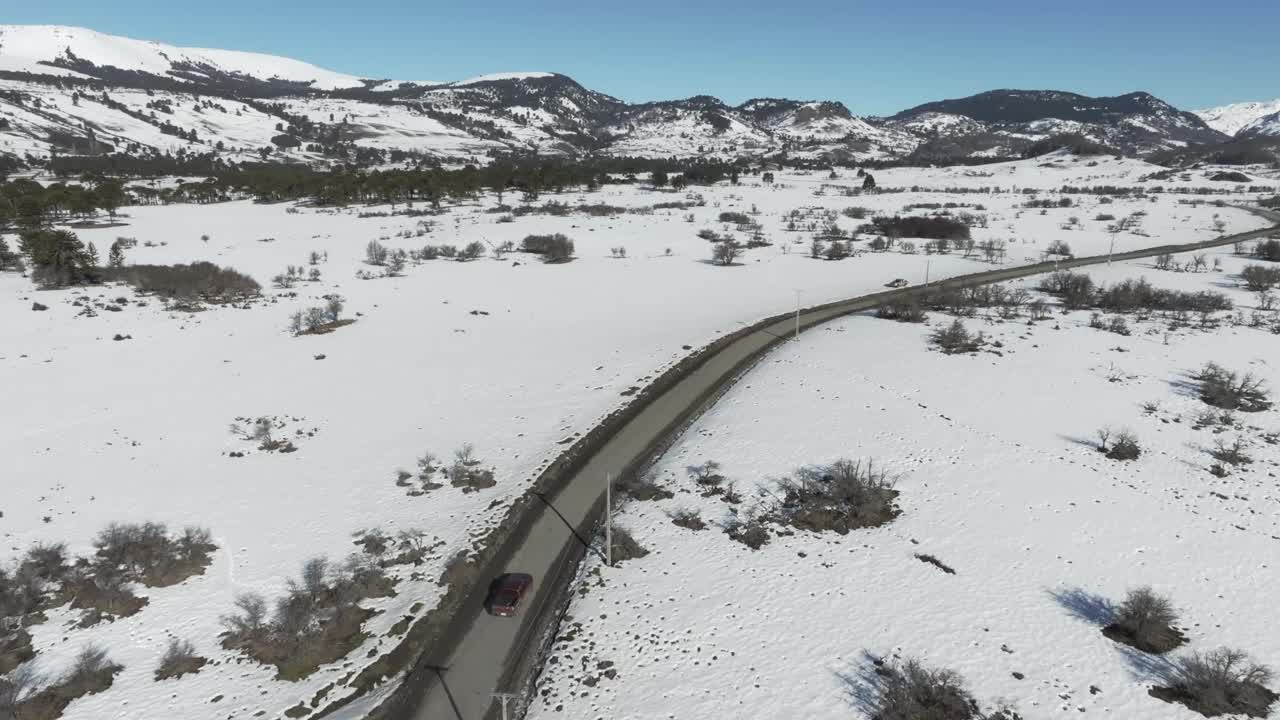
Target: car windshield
point(507, 597)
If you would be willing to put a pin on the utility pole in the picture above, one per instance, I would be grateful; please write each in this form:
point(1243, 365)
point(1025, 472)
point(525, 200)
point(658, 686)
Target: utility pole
point(798, 315)
point(504, 698)
point(608, 519)
point(1112, 249)
point(927, 262)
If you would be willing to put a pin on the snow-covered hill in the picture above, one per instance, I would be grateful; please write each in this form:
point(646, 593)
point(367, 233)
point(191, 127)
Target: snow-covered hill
point(71, 91)
point(38, 48)
point(1231, 119)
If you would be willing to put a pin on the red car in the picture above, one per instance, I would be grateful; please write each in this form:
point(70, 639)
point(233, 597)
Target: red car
point(506, 592)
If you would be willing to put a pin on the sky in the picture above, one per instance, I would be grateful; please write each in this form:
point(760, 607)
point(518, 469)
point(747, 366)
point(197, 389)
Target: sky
point(876, 57)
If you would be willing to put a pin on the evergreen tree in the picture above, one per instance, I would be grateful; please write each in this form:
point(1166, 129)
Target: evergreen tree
point(658, 178)
point(91, 252)
point(869, 182)
point(115, 258)
point(7, 257)
point(57, 256)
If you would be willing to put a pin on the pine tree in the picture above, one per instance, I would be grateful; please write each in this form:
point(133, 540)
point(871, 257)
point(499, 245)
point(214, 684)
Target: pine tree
point(91, 253)
point(57, 256)
point(869, 183)
point(115, 258)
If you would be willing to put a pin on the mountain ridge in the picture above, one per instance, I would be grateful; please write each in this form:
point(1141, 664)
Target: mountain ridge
point(69, 91)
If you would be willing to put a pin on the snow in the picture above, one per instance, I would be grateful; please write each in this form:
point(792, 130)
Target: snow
point(494, 77)
point(24, 46)
point(395, 84)
point(1231, 119)
point(136, 430)
point(999, 480)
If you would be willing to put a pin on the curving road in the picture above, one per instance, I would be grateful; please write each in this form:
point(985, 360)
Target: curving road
point(458, 684)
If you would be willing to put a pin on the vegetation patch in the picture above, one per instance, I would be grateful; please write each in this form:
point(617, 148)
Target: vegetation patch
point(1220, 682)
point(1229, 390)
point(318, 621)
point(199, 281)
point(933, 227)
point(623, 546)
point(467, 471)
point(179, 659)
point(91, 673)
point(644, 488)
point(845, 495)
point(908, 690)
point(688, 519)
point(1145, 621)
point(554, 248)
point(1118, 445)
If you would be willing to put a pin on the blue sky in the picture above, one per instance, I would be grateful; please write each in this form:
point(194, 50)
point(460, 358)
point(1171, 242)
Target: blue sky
point(876, 57)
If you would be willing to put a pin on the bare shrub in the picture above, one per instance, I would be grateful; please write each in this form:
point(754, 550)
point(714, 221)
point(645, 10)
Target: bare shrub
point(725, 253)
point(624, 546)
point(643, 487)
point(15, 688)
point(375, 253)
point(1145, 620)
point(1220, 682)
point(317, 621)
point(333, 308)
point(1058, 247)
point(688, 519)
point(91, 672)
point(467, 473)
point(179, 659)
point(556, 248)
point(707, 474)
point(146, 553)
point(842, 496)
point(1231, 454)
point(1228, 390)
point(1260, 277)
point(1075, 289)
point(197, 281)
point(911, 691)
point(1118, 445)
point(909, 310)
point(750, 531)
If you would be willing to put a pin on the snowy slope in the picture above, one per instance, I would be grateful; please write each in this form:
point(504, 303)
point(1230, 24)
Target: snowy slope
point(419, 371)
point(1268, 125)
point(1231, 119)
point(999, 481)
point(32, 47)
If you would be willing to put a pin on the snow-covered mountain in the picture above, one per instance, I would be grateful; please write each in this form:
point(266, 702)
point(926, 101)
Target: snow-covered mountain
point(1232, 119)
point(1010, 121)
point(72, 91)
point(1267, 126)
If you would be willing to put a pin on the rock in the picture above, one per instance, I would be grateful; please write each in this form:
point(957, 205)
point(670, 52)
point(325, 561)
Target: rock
point(120, 337)
point(37, 307)
point(321, 356)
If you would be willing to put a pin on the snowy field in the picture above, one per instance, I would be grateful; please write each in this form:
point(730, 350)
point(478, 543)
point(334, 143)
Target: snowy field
point(518, 357)
point(999, 480)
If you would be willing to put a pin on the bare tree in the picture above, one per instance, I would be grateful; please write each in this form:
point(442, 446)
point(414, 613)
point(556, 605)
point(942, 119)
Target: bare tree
point(725, 253)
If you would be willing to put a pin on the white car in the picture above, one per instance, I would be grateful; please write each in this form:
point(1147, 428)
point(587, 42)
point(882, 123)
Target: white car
point(899, 283)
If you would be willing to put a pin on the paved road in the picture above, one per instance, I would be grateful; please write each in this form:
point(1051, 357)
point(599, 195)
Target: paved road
point(462, 688)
